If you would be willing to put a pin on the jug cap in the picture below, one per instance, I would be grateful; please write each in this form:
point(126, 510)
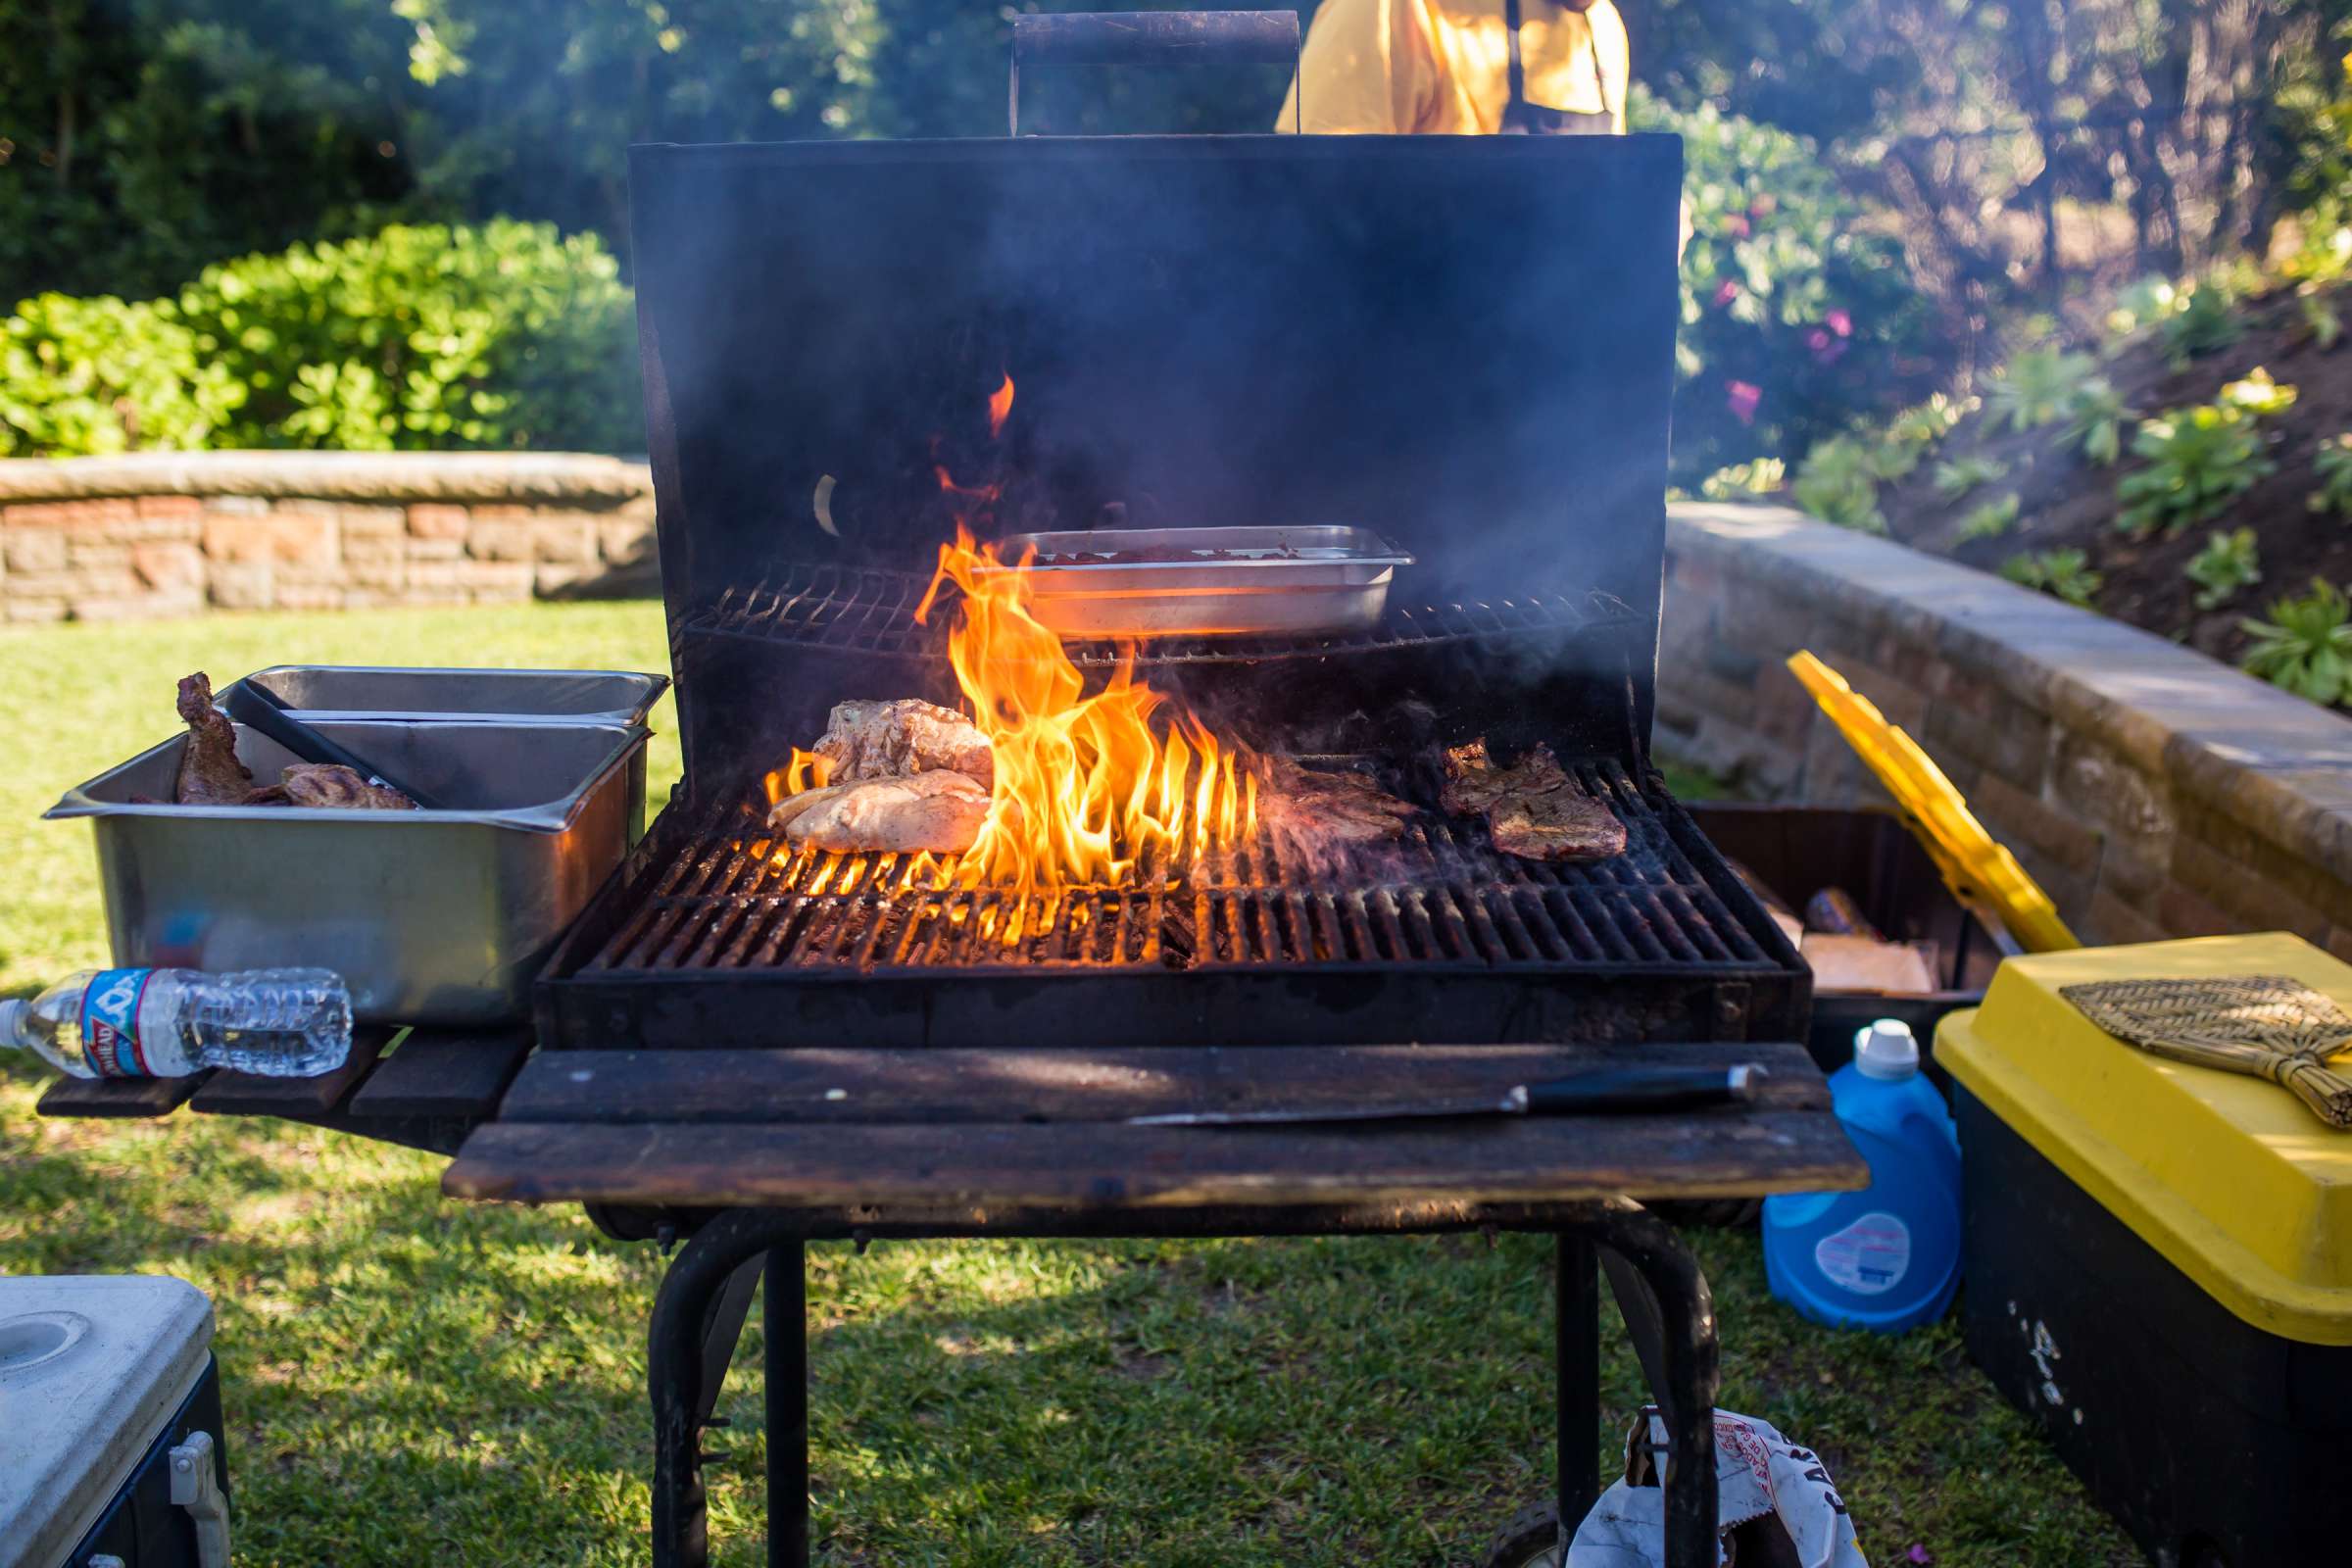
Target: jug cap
point(1885, 1050)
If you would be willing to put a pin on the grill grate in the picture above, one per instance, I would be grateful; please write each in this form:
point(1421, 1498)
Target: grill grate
point(729, 902)
point(856, 610)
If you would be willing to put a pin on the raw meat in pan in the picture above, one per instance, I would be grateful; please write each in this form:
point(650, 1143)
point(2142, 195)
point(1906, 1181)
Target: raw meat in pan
point(1534, 807)
point(939, 812)
point(1312, 810)
point(891, 739)
point(209, 774)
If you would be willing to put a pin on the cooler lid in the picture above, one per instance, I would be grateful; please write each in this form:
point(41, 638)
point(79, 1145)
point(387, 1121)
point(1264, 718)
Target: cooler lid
point(92, 1366)
point(2232, 1178)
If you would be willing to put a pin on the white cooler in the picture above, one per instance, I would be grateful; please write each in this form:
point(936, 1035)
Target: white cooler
point(111, 1450)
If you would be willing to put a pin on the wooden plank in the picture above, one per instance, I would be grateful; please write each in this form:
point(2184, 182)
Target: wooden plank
point(117, 1097)
point(986, 1168)
point(244, 1093)
point(453, 1075)
point(1058, 1085)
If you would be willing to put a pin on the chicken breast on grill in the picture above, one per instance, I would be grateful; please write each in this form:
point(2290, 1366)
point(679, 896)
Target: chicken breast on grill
point(939, 812)
point(892, 739)
point(1535, 809)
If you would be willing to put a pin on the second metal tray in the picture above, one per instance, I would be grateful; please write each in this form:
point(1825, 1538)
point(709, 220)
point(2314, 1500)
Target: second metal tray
point(325, 692)
point(1205, 582)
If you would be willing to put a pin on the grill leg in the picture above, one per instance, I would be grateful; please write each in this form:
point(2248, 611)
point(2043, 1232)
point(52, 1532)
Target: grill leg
point(1687, 1391)
point(692, 1295)
point(787, 1319)
point(1576, 1361)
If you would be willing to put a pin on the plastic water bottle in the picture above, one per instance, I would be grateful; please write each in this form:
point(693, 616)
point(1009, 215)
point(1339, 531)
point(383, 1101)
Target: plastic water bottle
point(166, 1023)
point(1888, 1257)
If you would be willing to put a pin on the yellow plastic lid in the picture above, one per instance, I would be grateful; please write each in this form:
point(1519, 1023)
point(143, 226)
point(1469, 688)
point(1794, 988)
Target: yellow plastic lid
point(2232, 1178)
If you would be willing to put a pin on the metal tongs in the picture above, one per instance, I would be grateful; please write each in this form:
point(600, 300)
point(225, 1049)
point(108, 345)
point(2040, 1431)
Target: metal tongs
point(259, 708)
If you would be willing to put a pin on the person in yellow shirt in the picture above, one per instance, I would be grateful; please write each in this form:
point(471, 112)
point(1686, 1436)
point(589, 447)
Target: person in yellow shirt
point(1461, 68)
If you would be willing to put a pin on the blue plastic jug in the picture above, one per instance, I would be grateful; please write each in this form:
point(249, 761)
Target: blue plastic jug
point(1888, 1257)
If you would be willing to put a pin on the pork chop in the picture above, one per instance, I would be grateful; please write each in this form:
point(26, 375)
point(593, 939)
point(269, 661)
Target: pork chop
point(940, 811)
point(1534, 807)
point(893, 739)
point(209, 774)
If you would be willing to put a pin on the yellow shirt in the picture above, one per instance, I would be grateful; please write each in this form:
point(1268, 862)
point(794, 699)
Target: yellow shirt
point(1441, 67)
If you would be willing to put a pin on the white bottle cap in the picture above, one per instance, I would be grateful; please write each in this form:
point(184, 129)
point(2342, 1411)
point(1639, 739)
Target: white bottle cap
point(1885, 1050)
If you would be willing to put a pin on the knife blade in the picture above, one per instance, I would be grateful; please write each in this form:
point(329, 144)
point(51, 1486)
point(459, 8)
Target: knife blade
point(1625, 1090)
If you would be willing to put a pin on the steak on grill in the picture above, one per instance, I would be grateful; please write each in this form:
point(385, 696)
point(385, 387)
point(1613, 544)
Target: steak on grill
point(209, 774)
point(939, 812)
point(1313, 810)
point(891, 739)
point(1534, 807)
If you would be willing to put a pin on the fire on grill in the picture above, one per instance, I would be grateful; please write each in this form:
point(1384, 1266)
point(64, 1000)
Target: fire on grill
point(1143, 783)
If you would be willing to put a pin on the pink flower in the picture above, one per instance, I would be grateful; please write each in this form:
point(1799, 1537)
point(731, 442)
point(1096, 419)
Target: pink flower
point(1919, 1554)
point(1736, 225)
point(1724, 295)
point(1841, 323)
point(1827, 350)
point(1743, 399)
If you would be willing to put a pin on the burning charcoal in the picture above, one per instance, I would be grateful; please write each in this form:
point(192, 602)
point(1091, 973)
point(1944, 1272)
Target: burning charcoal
point(869, 740)
point(1534, 808)
point(938, 812)
point(209, 774)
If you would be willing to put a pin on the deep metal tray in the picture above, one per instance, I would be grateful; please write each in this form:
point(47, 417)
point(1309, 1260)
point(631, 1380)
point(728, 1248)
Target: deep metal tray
point(317, 692)
point(1240, 582)
point(432, 917)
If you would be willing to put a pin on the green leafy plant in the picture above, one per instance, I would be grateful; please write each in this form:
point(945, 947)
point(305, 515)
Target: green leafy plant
point(2032, 388)
point(2064, 573)
point(505, 335)
point(1926, 423)
point(2228, 562)
point(1990, 519)
point(2147, 303)
point(1960, 476)
point(1761, 476)
point(2199, 461)
point(2304, 645)
point(2095, 416)
point(2333, 465)
point(2320, 321)
point(2257, 394)
point(2206, 322)
point(1838, 484)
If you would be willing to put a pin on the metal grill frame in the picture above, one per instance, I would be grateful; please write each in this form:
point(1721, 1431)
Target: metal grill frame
point(851, 610)
point(685, 951)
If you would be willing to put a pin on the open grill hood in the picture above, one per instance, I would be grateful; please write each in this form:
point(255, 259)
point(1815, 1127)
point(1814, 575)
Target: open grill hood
point(1462, 344)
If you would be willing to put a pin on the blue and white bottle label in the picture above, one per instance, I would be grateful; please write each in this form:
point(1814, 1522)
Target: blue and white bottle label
point(110, 1023)
point(1869, 1257)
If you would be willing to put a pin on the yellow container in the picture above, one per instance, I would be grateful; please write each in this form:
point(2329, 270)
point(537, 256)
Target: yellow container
point(2230, 1178)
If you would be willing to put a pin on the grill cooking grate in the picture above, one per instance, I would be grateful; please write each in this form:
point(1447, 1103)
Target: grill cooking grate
point(853, 610)
point(730, 901)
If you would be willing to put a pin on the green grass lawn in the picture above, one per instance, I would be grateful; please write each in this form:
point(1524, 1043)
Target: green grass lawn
point(414, 1381)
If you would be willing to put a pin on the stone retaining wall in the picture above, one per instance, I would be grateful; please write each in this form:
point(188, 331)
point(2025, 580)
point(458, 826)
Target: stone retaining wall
point(2151, 790)
point(177, 533)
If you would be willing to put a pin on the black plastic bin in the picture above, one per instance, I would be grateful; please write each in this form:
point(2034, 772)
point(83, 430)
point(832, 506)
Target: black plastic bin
point(1796, 850)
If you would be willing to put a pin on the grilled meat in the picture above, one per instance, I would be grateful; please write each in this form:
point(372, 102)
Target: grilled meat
point(892, 739)
point(1535, 809)
point(940, 811)
point(209, 774)
point(332, 784)
point(1312, 811)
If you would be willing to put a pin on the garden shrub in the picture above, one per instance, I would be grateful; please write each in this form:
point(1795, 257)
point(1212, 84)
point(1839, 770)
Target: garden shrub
point(1799, 319)
point(507, 335)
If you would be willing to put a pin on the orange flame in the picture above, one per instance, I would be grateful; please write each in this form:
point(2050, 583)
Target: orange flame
point(1085, 786)
point(1000, 407)
point(805, 771)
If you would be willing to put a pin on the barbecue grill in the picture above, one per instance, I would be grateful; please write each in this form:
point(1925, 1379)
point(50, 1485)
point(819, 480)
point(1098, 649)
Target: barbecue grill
point(1463, 346)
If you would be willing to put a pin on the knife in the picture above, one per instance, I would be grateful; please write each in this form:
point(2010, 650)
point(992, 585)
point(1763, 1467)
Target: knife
point(1588, 1094)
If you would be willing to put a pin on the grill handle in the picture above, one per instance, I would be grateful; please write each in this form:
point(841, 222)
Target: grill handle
point(1150, 38)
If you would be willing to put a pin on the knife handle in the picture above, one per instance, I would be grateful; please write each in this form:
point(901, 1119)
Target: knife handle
point(1644, 1088)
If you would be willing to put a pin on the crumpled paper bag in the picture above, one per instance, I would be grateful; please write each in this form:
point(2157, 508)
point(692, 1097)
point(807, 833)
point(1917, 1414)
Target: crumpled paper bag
point(1758, 1472)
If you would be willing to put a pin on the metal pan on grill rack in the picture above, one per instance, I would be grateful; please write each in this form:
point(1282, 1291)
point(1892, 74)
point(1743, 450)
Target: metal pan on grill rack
point(1207, 582)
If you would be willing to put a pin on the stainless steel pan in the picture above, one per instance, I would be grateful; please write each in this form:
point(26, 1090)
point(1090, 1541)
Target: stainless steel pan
point(1207, 582)
point(319, 692)
point(432, 917)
